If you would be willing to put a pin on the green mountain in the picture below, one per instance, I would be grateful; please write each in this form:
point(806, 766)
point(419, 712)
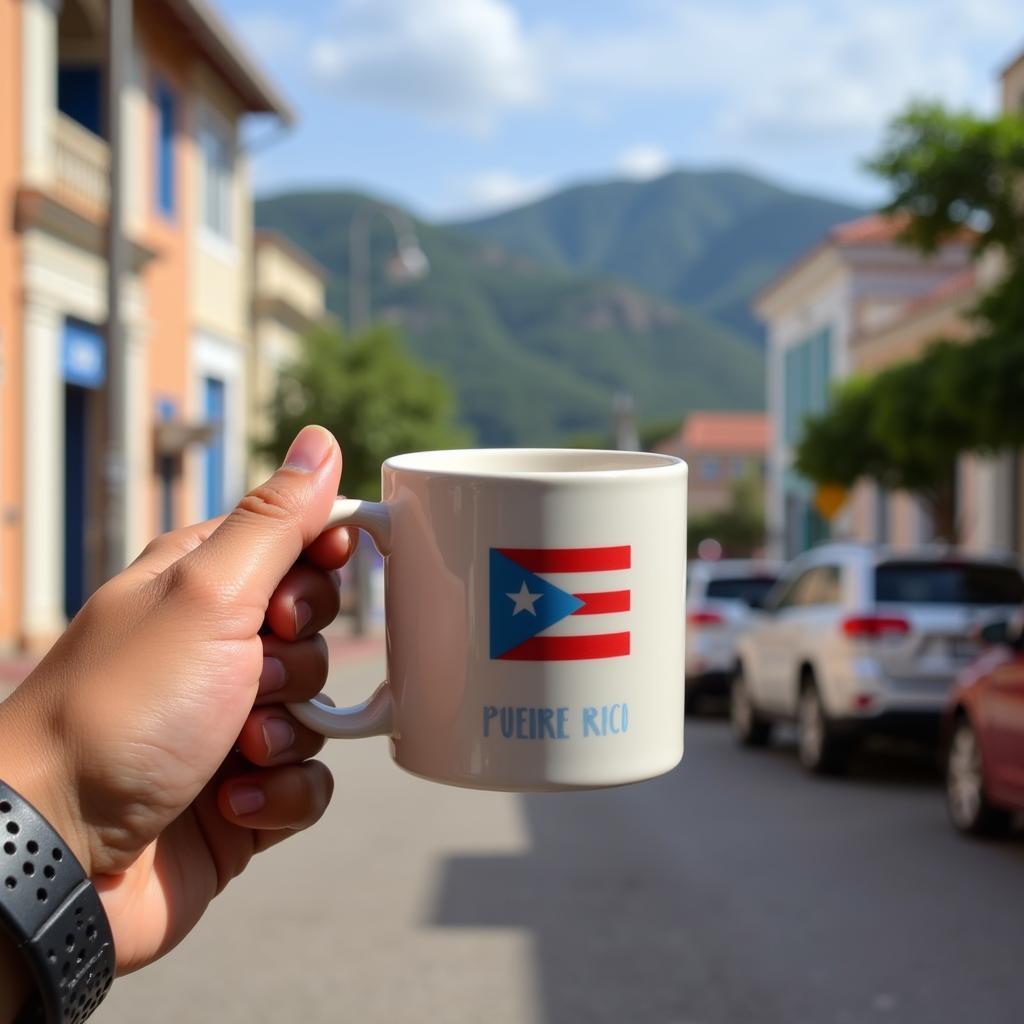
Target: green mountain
point(535, 352)
point(708, 239)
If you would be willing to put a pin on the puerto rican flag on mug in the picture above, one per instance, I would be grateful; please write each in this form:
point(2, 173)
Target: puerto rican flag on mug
point(559, 604)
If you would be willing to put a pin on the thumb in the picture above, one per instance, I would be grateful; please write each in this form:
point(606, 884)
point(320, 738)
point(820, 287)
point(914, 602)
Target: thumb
point(248, 554)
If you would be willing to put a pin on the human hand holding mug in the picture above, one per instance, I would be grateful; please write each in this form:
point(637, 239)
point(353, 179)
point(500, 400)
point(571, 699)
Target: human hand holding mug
point(535, 617)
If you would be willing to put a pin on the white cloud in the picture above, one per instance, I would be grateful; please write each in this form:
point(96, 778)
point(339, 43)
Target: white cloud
point(490, 191)
point(643, 161)
point(466, 61)
point(795, 71)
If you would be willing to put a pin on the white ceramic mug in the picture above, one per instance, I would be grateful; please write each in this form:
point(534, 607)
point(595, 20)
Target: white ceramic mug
point(535, 617)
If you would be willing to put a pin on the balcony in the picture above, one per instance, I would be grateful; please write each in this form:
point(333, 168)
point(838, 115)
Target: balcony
point(81, 166)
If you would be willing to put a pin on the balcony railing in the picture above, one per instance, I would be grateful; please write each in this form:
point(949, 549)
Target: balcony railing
point(82, 164)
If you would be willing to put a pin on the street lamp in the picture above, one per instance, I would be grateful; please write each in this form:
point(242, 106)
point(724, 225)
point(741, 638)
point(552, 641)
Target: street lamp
point(408, 263)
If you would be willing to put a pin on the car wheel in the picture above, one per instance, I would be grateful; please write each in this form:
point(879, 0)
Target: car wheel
point(820, 750)
point(750, 728)
point(969, 808)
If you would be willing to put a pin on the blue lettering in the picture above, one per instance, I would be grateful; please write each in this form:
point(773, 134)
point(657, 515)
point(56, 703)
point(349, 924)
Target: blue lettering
point(546, 729)
point(563, 723)
point(490, 711)
point(607, 720)
point(527, 723)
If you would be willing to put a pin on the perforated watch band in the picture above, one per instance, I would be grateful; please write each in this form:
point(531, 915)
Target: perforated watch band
point(53, 915)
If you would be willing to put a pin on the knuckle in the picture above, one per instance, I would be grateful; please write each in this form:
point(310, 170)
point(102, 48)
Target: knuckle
point(187, 580)
point(270, 501)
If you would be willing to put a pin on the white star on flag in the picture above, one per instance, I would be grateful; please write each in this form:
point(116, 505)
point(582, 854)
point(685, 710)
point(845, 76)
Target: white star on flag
point(524, 600)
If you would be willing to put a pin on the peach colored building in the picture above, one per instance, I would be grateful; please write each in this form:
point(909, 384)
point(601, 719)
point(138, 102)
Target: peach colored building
point(720, 448)
point(821, 315)
point(186, 295)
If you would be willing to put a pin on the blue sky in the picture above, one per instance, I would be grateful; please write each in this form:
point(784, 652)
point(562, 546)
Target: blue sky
point(455, 107)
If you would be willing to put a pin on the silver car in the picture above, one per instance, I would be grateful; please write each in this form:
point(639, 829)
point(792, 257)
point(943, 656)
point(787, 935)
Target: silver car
point(720, 598)
point(858, 639)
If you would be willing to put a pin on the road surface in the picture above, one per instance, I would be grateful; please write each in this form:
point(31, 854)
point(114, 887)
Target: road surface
point(734, 890)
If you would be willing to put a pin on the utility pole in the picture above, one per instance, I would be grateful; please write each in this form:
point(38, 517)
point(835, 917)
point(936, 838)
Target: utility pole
point(119, 46)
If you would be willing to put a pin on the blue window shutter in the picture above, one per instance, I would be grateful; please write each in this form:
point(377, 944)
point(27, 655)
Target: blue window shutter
point(215, 409)
point(166, 108)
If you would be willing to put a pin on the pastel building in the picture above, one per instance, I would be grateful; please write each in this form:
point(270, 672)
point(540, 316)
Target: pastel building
point(720, 449)
point(289, 299)
point(823, 315)
point(187, 293)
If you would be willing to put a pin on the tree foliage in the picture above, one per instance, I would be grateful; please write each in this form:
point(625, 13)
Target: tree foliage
point(953, 175)
point(899, 428)
point(371, 394)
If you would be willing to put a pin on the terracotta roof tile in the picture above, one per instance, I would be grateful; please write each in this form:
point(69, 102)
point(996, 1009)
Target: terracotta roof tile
point(726, 432)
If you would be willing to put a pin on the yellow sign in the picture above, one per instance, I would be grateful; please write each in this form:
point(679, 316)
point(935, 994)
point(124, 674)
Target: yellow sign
point(829, 499)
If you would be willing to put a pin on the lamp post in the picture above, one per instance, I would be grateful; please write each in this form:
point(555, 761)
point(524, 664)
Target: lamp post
point(408, 263)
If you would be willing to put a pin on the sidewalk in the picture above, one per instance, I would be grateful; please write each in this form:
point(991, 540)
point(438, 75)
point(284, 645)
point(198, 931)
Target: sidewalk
point(343, 646)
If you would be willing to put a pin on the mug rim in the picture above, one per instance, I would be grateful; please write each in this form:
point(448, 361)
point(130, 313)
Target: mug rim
point(605, 464)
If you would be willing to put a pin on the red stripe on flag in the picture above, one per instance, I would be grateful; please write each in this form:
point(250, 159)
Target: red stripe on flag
point(598, 604)
point(569, 559)
point(570, 648)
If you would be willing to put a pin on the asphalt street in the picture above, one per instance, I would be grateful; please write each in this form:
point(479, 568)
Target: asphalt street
point(734, 890)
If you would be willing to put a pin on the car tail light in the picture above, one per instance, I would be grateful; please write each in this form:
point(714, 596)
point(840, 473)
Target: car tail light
point(874, 627)
point(703, 617)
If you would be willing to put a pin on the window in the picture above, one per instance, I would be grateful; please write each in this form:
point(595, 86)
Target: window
point(818, 585)
point(214, 408)
point(711, 468)
point(952, 582)
point(166, 129)
point(738, 468)
point(807, 370)
point(751, 590)
point(216, 150)
point(80, 95)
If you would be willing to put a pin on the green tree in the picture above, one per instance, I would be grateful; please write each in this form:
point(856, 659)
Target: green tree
point(899, 428)
point(954, 173)
point(372, 395)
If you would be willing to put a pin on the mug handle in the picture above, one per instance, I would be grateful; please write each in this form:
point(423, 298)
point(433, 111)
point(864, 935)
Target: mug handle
point(374, 717)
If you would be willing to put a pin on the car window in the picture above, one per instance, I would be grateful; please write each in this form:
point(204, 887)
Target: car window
point(947, 583)
point(750, 589)
point(792, 594)
point(818, 585)
point(822, 587)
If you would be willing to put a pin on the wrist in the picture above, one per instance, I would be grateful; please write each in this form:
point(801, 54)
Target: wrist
point(36, 761)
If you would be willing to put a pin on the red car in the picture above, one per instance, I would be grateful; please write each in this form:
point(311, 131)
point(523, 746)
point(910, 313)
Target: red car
point(985, 749)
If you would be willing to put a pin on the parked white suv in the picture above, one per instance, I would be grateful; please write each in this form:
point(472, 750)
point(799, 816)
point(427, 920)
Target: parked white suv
point(856, 639)
point(720, 598)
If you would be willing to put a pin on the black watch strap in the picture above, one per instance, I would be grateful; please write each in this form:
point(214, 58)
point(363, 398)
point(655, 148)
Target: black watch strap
point(53, 914)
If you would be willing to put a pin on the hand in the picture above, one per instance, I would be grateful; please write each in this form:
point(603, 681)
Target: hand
point(153, 736)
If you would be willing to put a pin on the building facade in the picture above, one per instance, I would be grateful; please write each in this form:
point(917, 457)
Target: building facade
point(721, 449)
point(857, 281)
point(186, 295)
point(289, 299)
point(868, 334)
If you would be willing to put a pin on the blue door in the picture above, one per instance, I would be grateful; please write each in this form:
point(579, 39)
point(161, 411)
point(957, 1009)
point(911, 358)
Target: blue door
point(83, 366)
point(213, 478)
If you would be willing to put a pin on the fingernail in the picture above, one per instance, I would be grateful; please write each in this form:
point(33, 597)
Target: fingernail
point(246, 799)
point(278, 736)
point(303, 613)
point(273, 675)
point(309, 449)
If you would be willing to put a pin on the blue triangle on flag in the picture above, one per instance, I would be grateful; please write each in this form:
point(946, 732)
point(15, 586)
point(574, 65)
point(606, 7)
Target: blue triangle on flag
point(540, 604)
